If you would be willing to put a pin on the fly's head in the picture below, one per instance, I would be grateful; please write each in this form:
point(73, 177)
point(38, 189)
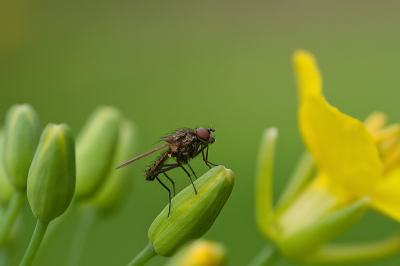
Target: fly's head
point(204, 135)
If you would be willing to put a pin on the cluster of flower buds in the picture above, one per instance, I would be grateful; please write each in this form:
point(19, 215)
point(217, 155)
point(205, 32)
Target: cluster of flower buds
point(39, 165)
point(43, 166)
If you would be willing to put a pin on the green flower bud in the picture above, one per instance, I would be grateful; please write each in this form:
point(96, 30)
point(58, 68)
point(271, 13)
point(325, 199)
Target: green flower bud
point(264, 173)
point(51, 179)
point(114, 188)
point(354, 253)
point(310, 238)
point(200, 253)
point(6, 189)
point(95, 150)
point(20, 139)
point(191, 215)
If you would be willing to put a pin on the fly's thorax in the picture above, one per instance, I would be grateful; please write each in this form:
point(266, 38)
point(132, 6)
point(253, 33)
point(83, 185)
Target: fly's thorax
point(174, 148)
point(180, 136)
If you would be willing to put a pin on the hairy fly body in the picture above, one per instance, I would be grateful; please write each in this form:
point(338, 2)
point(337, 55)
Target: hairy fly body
point(183, 145)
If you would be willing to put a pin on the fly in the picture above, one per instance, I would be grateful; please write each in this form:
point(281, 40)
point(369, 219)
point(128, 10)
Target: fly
point(183, 145)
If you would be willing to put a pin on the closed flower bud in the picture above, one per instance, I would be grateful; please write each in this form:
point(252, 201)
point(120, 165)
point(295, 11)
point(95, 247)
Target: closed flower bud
point(51, 179)
point(20, 139)
point(200, 253)
point(112, 190)
point(95, 150)
point(191, 215)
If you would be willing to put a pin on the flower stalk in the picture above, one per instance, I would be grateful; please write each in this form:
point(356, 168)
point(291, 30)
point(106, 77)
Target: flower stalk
point(266, 257)
point(143, 257)
point(17, 200)
point(34, 245)
point(86, 220)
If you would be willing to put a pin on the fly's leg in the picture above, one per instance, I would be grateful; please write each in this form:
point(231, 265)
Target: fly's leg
point(195, 150)
point(192, 170)
point(169, 194)
point(170, 167)
point(175, 165)
point(195, 191)
point(173, 183)
point(205, 158)
point(155, 174)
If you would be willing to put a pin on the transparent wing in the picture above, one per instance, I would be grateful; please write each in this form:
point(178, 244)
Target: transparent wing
point(142, 155)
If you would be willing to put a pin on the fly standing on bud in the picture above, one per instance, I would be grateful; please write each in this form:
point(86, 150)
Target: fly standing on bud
point(183, 145)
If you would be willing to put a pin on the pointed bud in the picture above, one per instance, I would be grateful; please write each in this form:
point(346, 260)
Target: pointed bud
point(51, 180)
point(192, 215)
point(116, 185)
point(95, 150)
point(200, 253)
point(308, 239)
point(21, 136)
point(264, 175)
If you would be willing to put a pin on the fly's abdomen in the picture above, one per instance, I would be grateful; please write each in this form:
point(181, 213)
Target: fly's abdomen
point(156, 166)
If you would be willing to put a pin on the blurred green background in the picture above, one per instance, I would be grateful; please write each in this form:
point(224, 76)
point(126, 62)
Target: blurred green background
point(176, 64)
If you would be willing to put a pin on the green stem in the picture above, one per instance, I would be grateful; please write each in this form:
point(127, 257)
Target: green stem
point(13, 209)
point(81, 235)
point(267, 256)
point(4, 256)
point(144, 256)
point(34, 245)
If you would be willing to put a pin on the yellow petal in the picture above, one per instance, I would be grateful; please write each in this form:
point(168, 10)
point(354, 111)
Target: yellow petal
point(308, 77)
point(342, 147)
point(386, 197)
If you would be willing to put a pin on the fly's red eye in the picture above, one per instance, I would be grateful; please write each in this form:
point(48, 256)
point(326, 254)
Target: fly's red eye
point(203, 133)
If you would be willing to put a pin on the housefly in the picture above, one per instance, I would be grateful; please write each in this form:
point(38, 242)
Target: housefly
point(183, 145)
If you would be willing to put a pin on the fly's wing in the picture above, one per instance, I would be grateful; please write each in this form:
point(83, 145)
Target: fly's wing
point(142, 155)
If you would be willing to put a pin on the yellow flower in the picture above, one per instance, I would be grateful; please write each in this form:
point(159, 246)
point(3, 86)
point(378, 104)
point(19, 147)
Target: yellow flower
point(385, 195)
point(346, 154)
point(200, 253)
point(357, 166)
